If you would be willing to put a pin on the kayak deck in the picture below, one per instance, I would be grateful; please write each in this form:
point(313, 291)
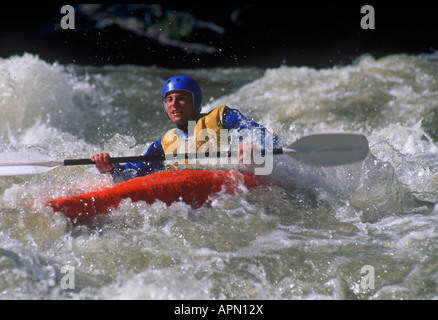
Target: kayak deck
point(193, 187)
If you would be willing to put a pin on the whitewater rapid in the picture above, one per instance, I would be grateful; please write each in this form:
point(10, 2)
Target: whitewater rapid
point(309, 237)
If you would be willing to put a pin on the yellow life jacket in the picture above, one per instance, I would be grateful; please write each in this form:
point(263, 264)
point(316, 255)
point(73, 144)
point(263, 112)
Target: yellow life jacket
point(203, 136)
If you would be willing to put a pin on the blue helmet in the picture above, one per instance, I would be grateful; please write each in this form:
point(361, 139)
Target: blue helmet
point(187, 84)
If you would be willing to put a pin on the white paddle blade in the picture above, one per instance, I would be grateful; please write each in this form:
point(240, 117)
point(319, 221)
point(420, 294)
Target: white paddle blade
point(332, 149)
point(23, 170)
point(22, 163)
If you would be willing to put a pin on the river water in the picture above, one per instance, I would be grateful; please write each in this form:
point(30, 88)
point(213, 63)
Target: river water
point(361, 231)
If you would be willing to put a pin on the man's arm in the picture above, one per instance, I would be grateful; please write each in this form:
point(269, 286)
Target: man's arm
point(131, 170)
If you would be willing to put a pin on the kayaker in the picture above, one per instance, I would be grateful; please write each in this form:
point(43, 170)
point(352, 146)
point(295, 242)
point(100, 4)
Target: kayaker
point(182, 98)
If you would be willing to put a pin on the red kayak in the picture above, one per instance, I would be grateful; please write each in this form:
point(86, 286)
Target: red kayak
point(193, 187)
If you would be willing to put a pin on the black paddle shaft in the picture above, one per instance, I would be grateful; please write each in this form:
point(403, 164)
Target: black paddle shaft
point(199, 155)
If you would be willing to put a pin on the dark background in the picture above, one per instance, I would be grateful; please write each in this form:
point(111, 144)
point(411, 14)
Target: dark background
point(224, 34)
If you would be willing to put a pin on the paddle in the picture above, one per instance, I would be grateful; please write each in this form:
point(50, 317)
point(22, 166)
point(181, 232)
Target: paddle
point(318, 150)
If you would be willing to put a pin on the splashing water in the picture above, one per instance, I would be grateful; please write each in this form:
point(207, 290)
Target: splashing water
point(306, 237)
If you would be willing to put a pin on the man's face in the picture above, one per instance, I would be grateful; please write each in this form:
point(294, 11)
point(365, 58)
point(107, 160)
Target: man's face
point(179, 106)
